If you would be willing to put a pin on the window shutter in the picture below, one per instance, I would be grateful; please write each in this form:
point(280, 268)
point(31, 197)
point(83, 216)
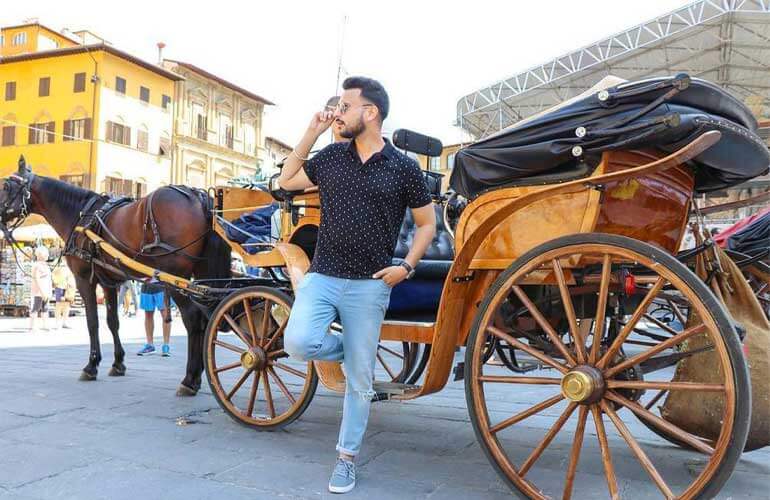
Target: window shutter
point(67, 130)
point(108, 131)
point(87, 128)
point(51, 127)
point(44, 88)
point(32, 130)
point(80, 82)
point(126, 136)
point(9, 136)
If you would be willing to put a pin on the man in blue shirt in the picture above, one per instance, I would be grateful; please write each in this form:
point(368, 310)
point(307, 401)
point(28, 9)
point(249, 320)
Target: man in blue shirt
point(365, 187)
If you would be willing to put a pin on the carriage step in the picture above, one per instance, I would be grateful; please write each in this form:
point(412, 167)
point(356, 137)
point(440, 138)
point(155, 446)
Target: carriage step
point(393, 388)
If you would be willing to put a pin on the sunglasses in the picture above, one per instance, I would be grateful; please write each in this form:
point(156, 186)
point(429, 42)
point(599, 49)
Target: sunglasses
point(343, 107)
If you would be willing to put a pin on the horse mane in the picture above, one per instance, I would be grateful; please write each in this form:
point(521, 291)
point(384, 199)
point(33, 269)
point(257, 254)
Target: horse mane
point(71, 198)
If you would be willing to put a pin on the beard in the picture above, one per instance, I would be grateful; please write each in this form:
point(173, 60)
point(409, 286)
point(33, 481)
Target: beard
point(352, 131)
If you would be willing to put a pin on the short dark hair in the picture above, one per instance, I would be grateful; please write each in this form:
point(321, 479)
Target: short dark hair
point(372, 91)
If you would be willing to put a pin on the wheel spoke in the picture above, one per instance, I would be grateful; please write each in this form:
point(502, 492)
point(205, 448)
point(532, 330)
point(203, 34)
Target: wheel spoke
point(569, 309)
point(231, 347)
point(227, 367)
point(660, 324)
point(288, 369)
point(528, 349)
point(640, 454)
point(269, 397)
point(390, 351)
point(670, 386)
point(601, 309)
point(275, 335)
point(574, 457)
point(628, 328)
point(544, 324)
point(238, 384)
point(525, 414)
point(265, 319)
point(237, 330)
point(647, 354)
point(281, 385)
point(677, 312)
point(654, 400)
point(385, 365)
point(253, 395)
point(609, 469)
point(520, 380)
point(670, 428)
point(250, 320)
point(530, 461)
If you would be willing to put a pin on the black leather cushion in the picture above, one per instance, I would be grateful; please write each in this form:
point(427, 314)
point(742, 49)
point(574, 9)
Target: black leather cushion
point(442, 247)
point(423, 291)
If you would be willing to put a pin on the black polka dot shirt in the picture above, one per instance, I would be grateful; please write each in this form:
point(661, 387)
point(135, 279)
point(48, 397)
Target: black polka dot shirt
point(362, 207)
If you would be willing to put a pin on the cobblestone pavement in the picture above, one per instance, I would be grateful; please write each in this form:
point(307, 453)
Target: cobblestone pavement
point(121, 437)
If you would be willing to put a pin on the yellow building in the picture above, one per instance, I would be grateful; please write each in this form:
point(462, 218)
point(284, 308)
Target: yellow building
point(84, 112)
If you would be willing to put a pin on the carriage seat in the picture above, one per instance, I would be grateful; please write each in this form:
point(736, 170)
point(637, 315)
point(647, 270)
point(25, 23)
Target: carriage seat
point(422, 293)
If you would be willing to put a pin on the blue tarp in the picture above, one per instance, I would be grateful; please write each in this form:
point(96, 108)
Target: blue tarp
point(252, 228)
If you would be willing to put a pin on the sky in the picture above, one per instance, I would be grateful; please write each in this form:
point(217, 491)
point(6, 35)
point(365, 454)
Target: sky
point(427, 54)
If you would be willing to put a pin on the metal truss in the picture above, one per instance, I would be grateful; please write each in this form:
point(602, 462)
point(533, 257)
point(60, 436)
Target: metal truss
point(725, 41)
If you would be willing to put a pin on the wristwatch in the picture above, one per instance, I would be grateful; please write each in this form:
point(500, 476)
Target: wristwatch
point(409, 269)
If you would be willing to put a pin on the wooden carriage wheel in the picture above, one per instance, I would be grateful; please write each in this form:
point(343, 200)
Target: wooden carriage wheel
point(397, 359)
point(251, 376)
point(602, 381)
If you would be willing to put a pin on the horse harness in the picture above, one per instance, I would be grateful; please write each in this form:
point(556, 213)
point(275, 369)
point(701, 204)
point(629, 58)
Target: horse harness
point(94, 216)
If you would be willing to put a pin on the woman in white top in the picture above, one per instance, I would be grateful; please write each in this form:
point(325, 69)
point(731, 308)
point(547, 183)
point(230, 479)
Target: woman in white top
point(42, 288)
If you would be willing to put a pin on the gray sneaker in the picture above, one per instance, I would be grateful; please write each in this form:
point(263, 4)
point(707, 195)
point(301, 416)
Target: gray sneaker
point(344, 477)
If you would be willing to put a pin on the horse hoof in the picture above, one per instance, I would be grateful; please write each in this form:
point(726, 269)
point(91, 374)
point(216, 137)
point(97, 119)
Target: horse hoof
point(117, 372)
point(87, 377)
point(184, 391)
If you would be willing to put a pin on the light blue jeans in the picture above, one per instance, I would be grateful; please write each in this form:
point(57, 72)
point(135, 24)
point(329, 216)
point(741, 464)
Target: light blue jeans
point(361, 306)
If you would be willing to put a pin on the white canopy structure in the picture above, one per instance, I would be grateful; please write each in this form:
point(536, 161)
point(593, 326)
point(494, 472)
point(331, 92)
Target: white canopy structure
point(724, 41)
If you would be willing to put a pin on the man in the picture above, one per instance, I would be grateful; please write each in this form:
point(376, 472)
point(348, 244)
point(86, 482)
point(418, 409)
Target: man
point(365, 186)
point(151, 297)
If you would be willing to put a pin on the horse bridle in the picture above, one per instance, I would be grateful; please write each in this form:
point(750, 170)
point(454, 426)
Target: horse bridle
point(25, 193)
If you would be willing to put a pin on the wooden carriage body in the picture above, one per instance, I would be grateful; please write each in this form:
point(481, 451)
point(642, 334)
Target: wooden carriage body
point(636, 194)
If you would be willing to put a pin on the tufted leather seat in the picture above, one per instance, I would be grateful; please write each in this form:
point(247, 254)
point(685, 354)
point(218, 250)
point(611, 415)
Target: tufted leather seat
point(423, 292)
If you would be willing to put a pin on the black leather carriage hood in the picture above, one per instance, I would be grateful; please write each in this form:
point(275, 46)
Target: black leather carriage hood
point(661, 113)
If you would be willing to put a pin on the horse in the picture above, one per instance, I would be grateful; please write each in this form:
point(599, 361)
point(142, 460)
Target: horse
point(169, 230)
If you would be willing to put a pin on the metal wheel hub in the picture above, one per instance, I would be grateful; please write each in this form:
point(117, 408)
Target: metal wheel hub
point(583, 384)
point(254, 359)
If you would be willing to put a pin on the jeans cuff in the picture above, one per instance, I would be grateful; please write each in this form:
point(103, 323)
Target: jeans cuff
point(340, 449)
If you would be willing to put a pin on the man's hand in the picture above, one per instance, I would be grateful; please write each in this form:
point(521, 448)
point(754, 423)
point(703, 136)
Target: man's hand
point(321, 122)
point(392, 275)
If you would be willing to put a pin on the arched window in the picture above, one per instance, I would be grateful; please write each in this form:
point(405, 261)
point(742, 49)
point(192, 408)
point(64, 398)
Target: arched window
point(118, 132)
point(78, 126)
point(19, 38)
point(8, 130)
point(164, 148)
point(142, 138)
point(195, 175)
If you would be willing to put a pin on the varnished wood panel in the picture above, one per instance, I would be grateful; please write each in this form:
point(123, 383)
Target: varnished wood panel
point(653, 208)
point(532, 225)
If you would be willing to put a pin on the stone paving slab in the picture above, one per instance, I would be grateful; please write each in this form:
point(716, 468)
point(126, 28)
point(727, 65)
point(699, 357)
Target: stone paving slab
point(119, 437)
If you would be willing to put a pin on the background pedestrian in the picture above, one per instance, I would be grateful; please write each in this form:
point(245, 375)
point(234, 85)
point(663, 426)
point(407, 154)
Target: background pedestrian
point(42, 289)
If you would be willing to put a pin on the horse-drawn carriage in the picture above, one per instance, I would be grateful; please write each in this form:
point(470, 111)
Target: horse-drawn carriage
point(565, 255)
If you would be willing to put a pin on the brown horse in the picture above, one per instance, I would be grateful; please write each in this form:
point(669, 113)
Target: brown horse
point(169, 230)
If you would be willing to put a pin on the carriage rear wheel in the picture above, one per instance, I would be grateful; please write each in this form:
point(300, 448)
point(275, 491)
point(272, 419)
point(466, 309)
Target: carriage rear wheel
point(602, 353)
point(251, 376)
